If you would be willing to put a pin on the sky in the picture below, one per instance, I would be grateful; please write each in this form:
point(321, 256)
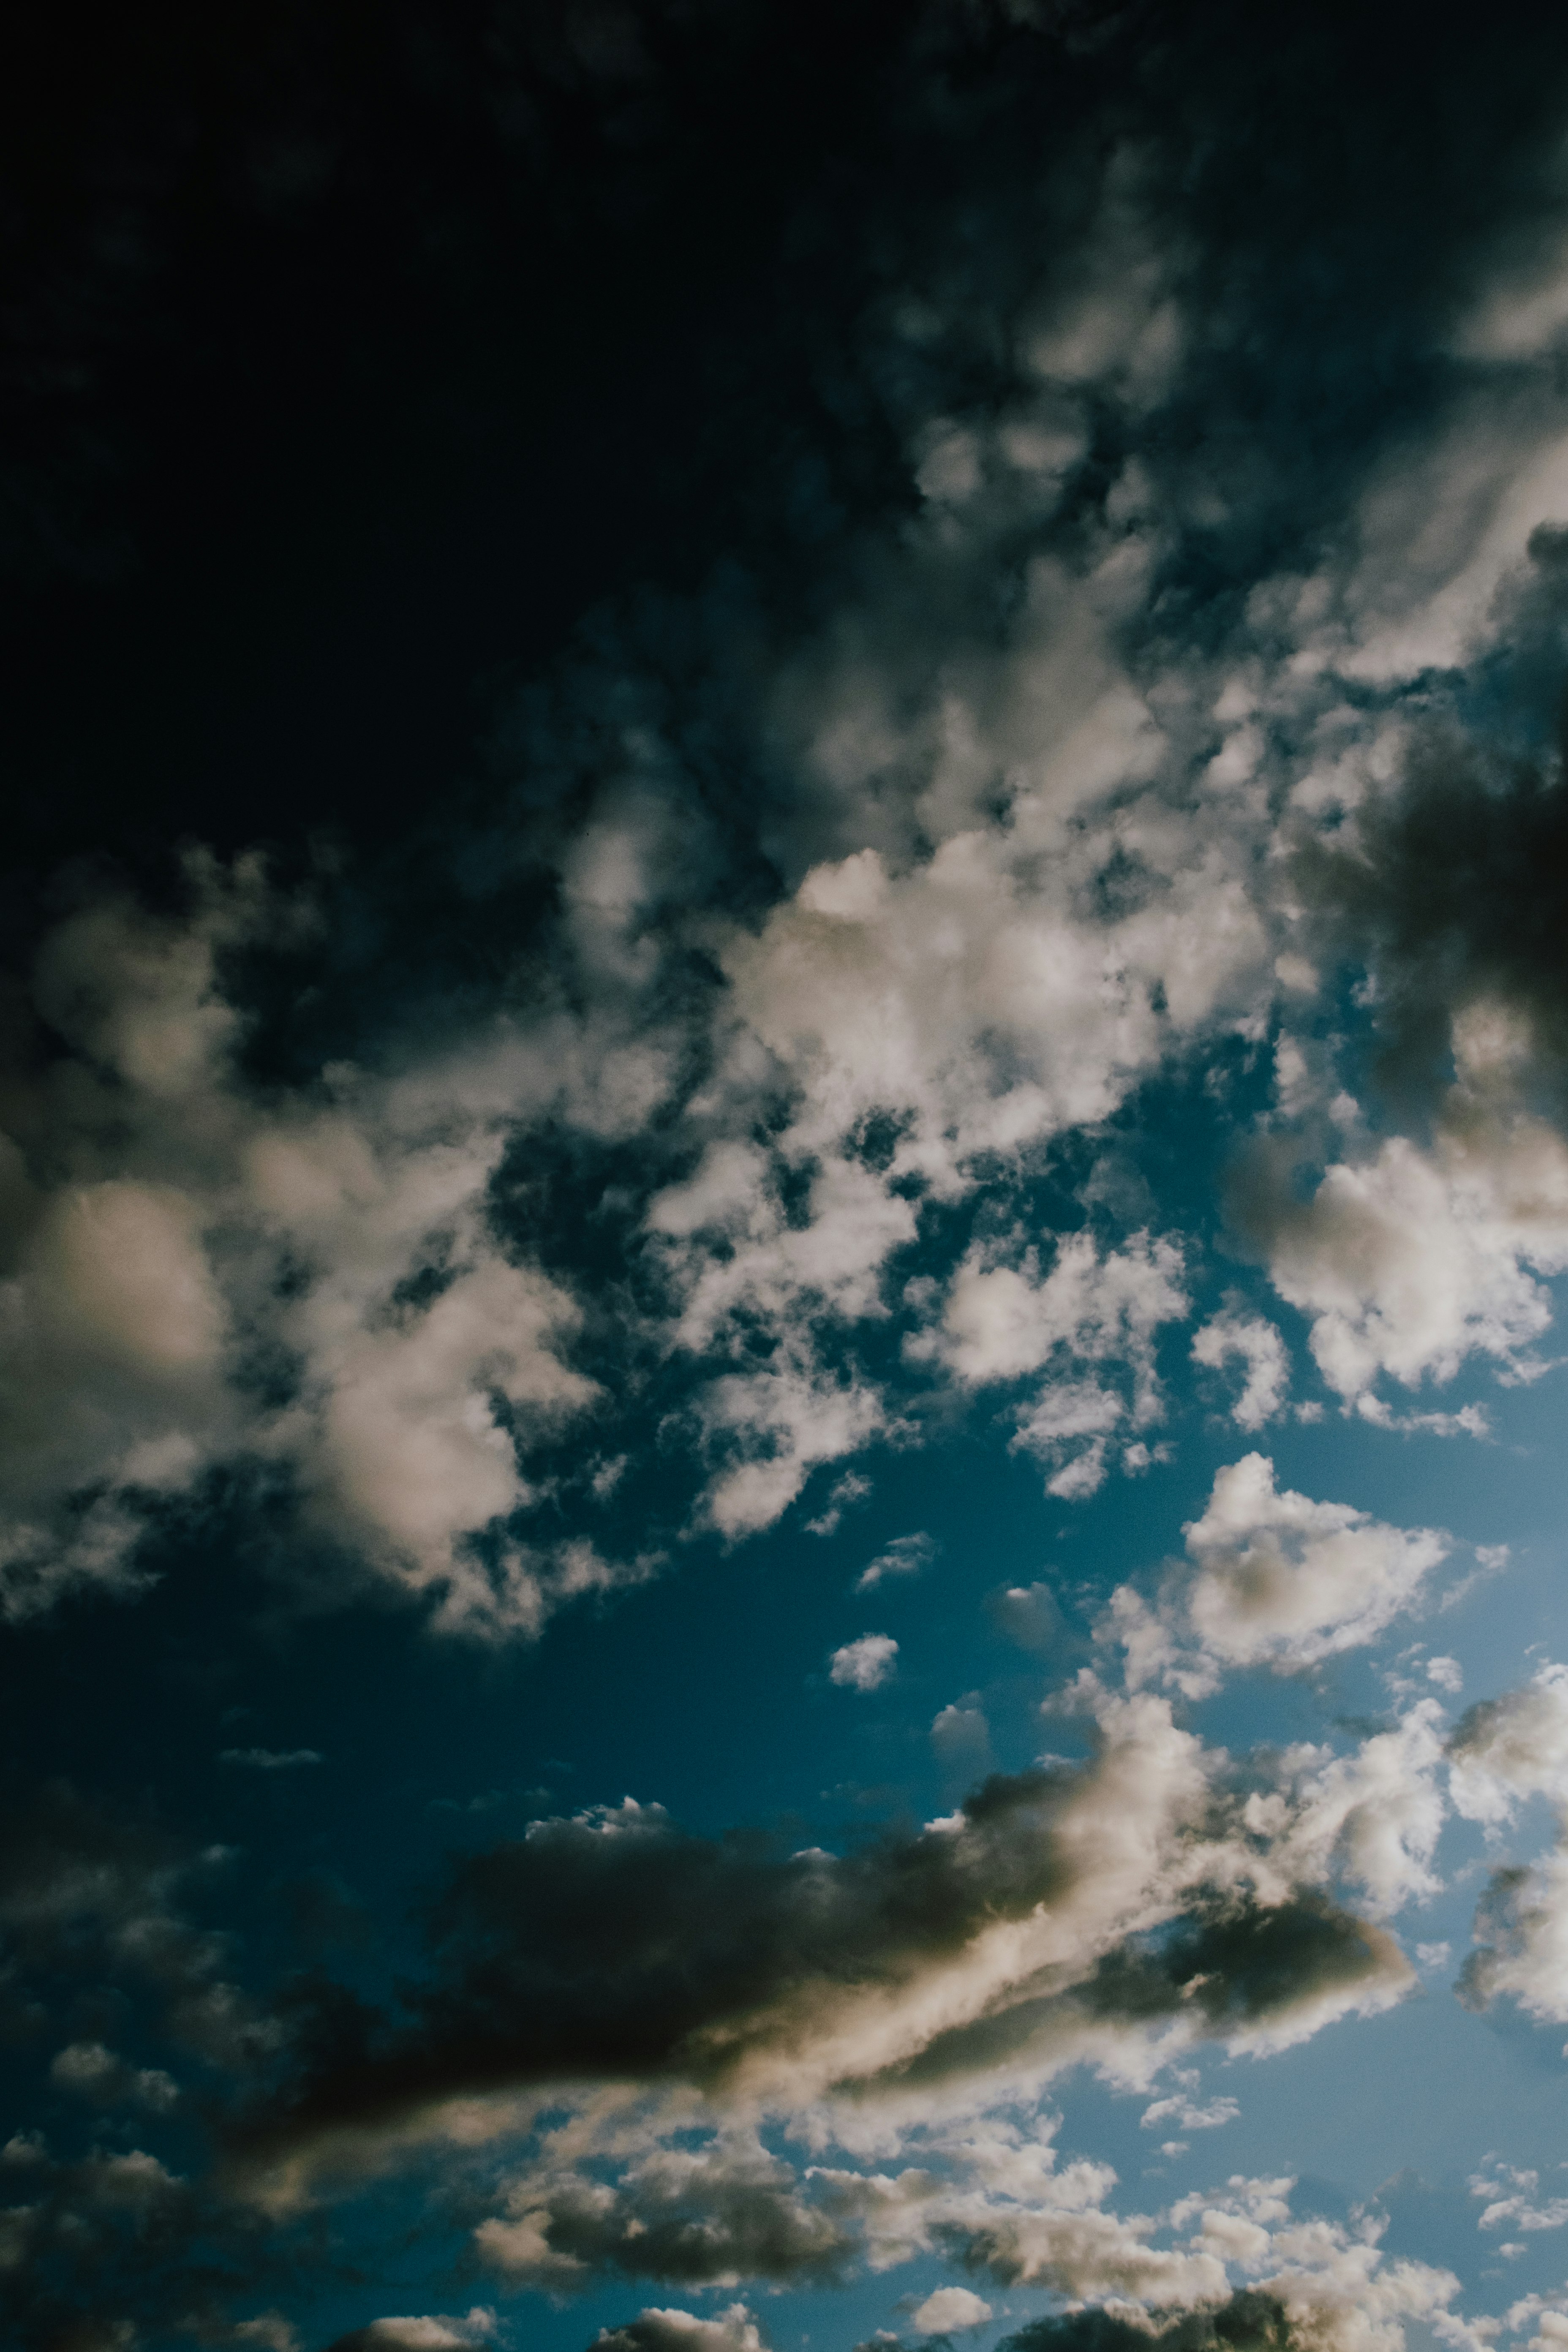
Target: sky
point(783, 1141)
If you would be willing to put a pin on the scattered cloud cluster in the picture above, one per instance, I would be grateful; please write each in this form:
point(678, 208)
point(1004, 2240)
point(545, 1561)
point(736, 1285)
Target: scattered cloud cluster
point(1003, 1322)
point(1038, 840)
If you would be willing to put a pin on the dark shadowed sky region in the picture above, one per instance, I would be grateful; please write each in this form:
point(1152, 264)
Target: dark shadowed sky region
point(784, 1177)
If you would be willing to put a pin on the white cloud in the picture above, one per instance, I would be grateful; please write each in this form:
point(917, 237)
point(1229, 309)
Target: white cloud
point(845, 1492)
point(1373, 1816)
point(1002, 1321)
point(191, 1228)
point(1511, 1747)
point(1182, 2109)
point(949, 2309)
point(1261, 1349)
point(428, 2334)
point(673, 2330)
point(1409, 1261)
point(864, 1665)
point(905, 1556)
point(782, 1422)
point(1513, 2199)
point(1276, 1579)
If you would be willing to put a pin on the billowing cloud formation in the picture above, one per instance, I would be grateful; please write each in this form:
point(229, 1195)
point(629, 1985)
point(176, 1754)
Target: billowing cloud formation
point(1409, 1261)
point(1116, 1912)
point(316, 1288)
point(1248, 2321)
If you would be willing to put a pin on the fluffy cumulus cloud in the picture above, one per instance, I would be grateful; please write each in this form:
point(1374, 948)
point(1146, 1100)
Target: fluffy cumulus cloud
point(1503, 1751)
point(1273, 1580)
point(864, 1665)
point(1257, 1344)
point(950, 2309)
point(733, 2330)
point(1002, 1321)
point(421, 2334)
point(314, 1287)
point(905, 1556)
point(1410, 1260)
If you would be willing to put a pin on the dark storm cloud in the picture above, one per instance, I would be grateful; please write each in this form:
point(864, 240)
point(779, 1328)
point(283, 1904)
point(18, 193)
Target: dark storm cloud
point(619, 1949)
point(1237, 1969)
point(1253, 2320)
point(622, 1946)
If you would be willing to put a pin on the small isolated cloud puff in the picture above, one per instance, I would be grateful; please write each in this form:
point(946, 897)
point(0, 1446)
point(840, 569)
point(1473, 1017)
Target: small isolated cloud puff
point(905, 1556)
point(949, 2309)
point(1028, 1614)
point(1277, 1580)
point(864, 1665)
point(733, 2330)
point(845, 1491)
point(961, 1738)
point(1182, 2109)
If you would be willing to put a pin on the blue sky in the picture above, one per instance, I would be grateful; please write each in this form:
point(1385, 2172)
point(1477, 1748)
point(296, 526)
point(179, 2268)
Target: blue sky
point(786, 1184)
